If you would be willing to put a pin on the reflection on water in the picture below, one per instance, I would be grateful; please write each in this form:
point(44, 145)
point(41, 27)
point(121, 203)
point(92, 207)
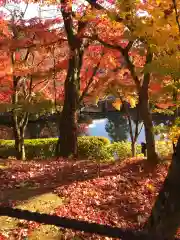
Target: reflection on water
point(115, 128)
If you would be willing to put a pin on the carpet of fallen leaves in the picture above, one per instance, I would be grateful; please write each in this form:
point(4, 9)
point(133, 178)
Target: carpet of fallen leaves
point(122, 196)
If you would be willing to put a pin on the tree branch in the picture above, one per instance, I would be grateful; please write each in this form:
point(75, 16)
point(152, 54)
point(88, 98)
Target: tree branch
point(177, 14)
point(146, 79)
point(68, 24)
point(125, 53)
point(128, 47)
point(90, 81)
point(108, 45)
point(131, 68)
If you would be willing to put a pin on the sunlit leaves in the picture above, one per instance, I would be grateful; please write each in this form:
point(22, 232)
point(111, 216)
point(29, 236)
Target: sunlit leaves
point(171, 132)
point(155, 87)
point(150, 187)
point(117, 104)
point(165, 66)
point(132, 101)
point(174, 133)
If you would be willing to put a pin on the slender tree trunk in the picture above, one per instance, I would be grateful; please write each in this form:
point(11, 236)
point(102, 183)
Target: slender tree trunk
point(20, 148)
point(130, 129)
point(142, 88)
point(165, 217)
point(133, 148)
point(19, 132)
point(133, 137)
point(146, 114)
point(133, 142)
point(148, 125)
point(19, 124)
point(16, 136)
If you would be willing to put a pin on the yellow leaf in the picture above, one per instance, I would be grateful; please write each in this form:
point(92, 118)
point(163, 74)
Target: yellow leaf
point(158, 1)
point(150, 187)
point(112, 61)
point(97, 99)
point(132, 102)
point(117, 104)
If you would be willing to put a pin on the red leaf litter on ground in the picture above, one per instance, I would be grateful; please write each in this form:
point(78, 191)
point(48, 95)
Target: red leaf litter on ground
point(123, 196)
point(123, 199)
point(2, 237)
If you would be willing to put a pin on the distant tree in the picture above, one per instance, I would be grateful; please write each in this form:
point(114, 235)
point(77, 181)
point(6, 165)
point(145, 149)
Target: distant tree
point(117, 127)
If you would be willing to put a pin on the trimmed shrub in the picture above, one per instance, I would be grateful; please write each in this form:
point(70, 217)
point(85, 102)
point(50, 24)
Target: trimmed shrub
point(88, 147)
point(123, 149)
point(93, 147)
point(35, 148)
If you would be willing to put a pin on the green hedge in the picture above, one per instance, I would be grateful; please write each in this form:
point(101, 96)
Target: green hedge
point(93, 147)
point(90, 147)
point(123, 149)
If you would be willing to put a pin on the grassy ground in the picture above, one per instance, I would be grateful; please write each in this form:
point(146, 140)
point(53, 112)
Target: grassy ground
point(122, 196)
point(45, 203)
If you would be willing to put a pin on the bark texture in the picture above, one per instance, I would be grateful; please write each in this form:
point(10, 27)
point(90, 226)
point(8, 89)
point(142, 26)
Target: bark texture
point(68, 122)
point(165, 217)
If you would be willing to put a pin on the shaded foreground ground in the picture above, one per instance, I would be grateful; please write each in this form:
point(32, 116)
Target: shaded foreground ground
point(123, 196)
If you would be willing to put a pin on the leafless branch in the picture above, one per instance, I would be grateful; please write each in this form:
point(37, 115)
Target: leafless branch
point(23, 13)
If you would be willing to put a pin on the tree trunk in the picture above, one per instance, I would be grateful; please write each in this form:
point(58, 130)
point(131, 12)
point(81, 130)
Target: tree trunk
point(133, 137)
point(148, 125)
point(20, 148)
point(133, 148)
point(68, 125)
point(67, 143)
point(130, 130)
point(165, 217)
point(19, 132)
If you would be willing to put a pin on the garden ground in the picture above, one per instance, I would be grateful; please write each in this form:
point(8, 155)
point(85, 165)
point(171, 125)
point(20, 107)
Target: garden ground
point(122, 196)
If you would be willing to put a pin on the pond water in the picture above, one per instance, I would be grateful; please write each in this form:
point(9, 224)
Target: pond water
point(115, 129)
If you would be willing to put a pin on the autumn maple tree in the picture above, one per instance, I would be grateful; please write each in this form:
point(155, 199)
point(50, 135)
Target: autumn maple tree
point(29, 68)
point(136, 44)
point(130, 45)
point(138, 33)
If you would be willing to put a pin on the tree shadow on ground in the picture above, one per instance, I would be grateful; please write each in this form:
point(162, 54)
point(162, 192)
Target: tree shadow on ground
point(68, 223)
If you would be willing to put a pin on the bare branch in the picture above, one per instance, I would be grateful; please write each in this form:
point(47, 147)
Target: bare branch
point(23, 14)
